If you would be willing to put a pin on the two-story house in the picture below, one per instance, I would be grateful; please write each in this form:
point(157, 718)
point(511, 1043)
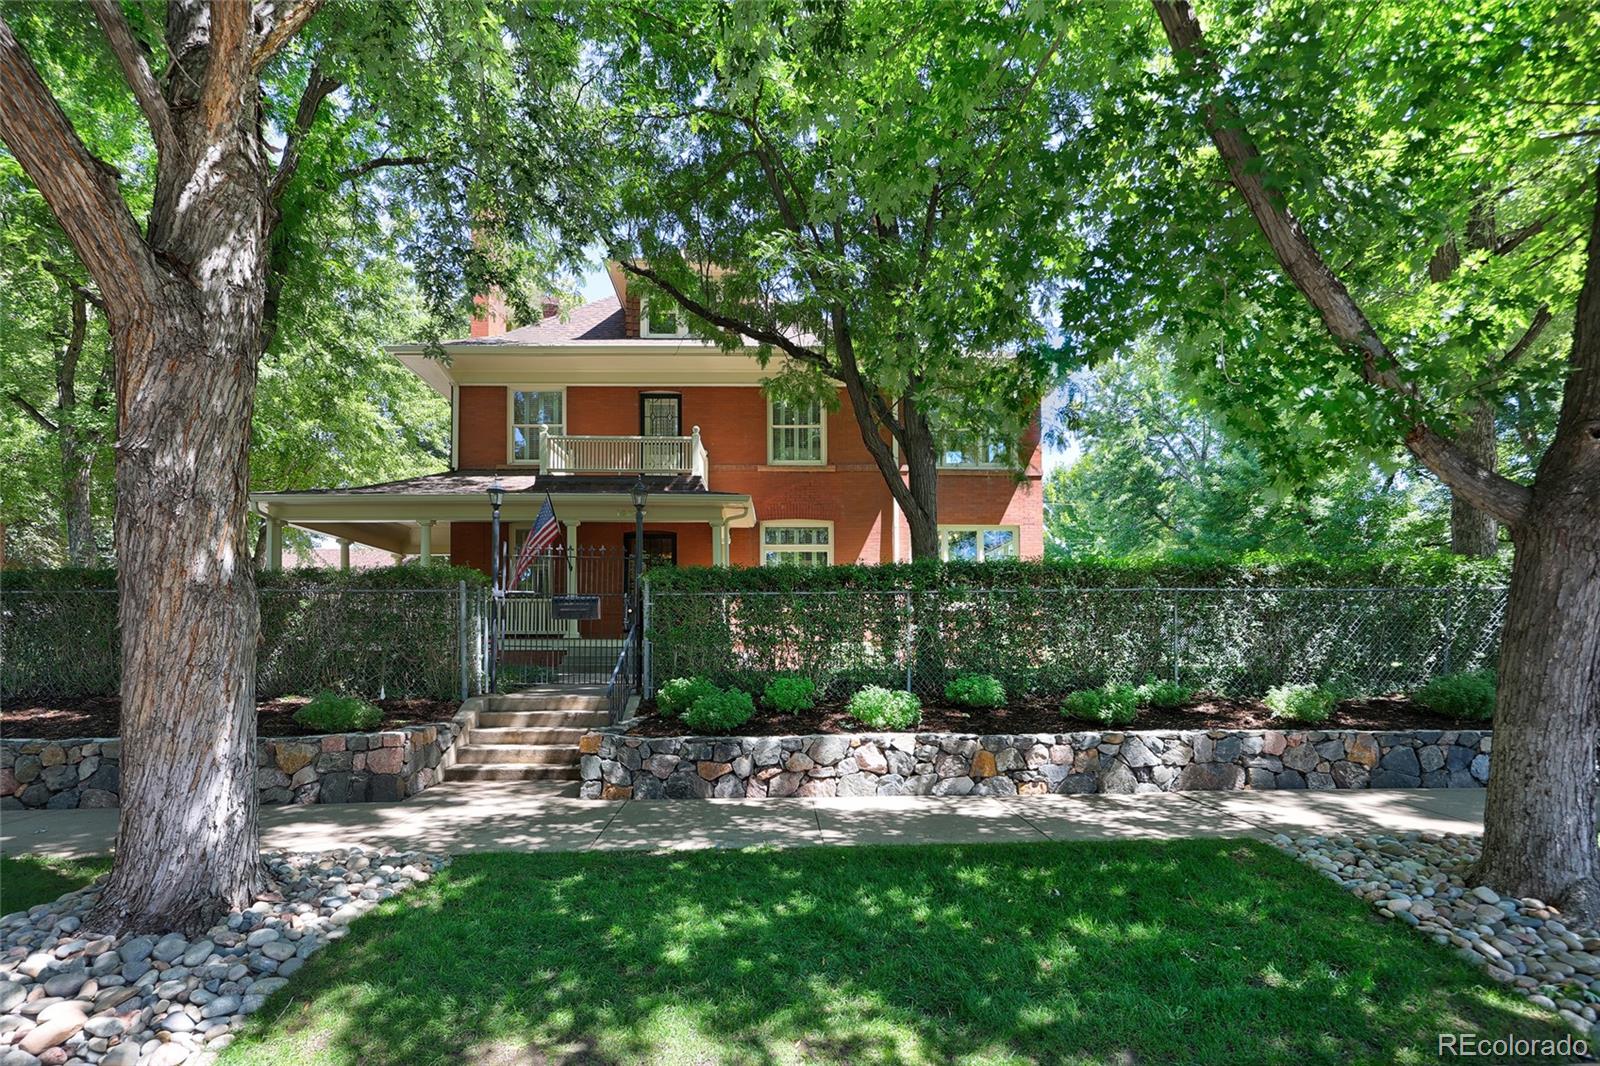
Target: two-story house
point(581, 406)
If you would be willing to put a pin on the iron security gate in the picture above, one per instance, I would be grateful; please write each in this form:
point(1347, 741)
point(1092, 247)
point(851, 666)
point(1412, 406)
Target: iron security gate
point(566, 621)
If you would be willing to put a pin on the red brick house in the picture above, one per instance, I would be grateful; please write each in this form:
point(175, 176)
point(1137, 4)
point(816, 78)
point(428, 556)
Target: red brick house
point(581, 406)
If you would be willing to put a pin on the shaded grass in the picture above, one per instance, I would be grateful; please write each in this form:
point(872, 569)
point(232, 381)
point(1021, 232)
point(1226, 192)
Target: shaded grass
point(28, 880)
point(1198, 951)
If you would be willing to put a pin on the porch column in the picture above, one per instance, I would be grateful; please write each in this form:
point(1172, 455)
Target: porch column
point(572, 572)
point(274, 544)
point(425, 546)
point(344, 553)
point(719, 544)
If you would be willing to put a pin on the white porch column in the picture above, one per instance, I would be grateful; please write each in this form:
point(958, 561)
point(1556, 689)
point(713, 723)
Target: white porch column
point(274, 544)
point(719, 544)
point(572, 573)
point(425, 545)
point(344, 553)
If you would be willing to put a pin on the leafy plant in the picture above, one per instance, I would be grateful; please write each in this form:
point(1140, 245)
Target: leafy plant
point(681, 693)
point(790, 694)
point(1467, 694)
point(883, 708)
point(720, 710)
point(1302, 703)
point(975, 690)
point(1111, 704)
point(329, 712)
point(1164, 695)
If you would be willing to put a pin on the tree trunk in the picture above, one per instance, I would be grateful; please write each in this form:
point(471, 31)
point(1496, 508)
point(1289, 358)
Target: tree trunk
point(77, 477)
point(922, 481)
point(1472, 531)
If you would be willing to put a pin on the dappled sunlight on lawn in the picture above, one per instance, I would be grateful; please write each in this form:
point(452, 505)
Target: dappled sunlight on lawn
point(1187, 951)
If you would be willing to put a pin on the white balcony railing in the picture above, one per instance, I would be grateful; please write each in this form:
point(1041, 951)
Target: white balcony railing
point(561, 453)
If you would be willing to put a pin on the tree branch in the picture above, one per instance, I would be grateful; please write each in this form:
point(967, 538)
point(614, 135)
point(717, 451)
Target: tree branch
point(32, 411)
point(136, 70)
point(1541, 319)
point(378, 163)
point(80, 189)
point(227, 63)
point(1506, 500)
point(317, 89)
point(285, 28)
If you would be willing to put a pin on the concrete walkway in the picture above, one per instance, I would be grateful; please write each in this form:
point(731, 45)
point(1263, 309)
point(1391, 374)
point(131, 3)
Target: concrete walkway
point(487, 816)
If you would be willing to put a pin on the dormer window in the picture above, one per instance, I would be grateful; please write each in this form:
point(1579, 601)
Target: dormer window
point(663, 318)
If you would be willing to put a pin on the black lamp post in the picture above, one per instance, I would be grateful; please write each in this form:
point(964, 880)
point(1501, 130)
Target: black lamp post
point(641, 495)
point(497, 496)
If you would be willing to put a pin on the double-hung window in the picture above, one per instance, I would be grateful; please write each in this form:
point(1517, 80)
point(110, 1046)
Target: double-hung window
point(977, 544)
point(796, 543)
point(530, 409)
point(796, 434)
point(978, 455)
point(663, 318)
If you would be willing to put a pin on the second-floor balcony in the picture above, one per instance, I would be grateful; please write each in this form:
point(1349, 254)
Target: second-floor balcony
point(563, 453)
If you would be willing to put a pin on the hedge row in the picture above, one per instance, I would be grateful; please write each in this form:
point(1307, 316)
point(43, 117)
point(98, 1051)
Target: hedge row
point(390, 632)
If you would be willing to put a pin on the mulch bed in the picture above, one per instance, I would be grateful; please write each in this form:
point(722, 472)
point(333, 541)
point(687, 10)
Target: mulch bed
point(99, 716)
point(1380, 714)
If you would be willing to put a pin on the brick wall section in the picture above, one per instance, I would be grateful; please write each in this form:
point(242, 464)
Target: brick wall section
point(847, 490)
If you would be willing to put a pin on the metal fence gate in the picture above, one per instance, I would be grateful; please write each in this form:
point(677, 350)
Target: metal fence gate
point(568, 621)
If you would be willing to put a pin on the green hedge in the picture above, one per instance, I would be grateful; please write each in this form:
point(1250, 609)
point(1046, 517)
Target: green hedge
point(389, 632)
point(1044, 629)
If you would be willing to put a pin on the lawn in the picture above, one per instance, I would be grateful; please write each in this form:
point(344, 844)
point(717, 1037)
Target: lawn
point(28, 880)
point(1198, 951)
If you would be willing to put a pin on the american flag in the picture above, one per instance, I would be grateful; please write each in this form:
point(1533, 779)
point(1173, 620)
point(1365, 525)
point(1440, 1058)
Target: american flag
point(546, 530)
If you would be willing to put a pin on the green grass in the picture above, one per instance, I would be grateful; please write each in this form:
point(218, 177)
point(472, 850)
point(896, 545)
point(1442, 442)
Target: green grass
point(29, 880)
point(1197, 951)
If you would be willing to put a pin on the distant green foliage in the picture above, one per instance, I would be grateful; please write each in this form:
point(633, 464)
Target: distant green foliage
point(1302, 703)
point(1469, 694)
point(883, 708)
point(790, 694)
point(329, 712)
point(1164, 695)
point(720, 710)
point(1109, 705)
point(975, 690)
point(676, 696)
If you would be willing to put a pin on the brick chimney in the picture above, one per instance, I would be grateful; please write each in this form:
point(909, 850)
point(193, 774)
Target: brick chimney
point(490, 316)
point(549, 308)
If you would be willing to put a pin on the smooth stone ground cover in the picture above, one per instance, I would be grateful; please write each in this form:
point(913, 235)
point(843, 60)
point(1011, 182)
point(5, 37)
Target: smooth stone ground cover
point(617, 766)
point(1417, 879)
point(71, 995)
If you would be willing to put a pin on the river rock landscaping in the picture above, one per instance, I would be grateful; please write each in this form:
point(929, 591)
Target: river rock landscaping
point(69, 994)
point(1420, 879)
point(615, 766)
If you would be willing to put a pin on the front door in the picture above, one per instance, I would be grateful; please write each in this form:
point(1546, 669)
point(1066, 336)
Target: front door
point(660, 549)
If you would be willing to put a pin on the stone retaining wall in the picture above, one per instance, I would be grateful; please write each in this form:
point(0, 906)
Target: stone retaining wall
point(332, 768)
point(954, 764)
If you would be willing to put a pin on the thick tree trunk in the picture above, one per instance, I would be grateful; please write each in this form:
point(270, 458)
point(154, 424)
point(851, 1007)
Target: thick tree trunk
point(77, 499)
point(922, 482)
point(1473, 531)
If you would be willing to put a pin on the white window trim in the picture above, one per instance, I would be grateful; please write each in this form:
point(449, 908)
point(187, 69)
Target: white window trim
point(821, 460)
point(644, 319)
point(944, 530)
point(795, 523)
point(511, 414)
point(1001, 465)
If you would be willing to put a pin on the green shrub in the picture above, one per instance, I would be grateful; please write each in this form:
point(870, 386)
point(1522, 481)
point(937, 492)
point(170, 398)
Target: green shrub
point(790, 694)
point(1469, 694)
point(1111, 704)
point(676, 696)
point(1164, 695)
point(720, 710)
point(975, 690)
point(329, 712)
point(1302, 703)
point(883, 708)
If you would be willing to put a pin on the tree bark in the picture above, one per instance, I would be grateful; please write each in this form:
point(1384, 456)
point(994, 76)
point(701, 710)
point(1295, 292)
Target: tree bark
point(922, 482)
point(184, 303)
point(1474, 532)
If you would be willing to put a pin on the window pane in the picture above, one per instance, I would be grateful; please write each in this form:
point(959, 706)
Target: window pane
point(663, 317)
point(525, 443)
point(536, 408)
point(961, 544)
point(999, 544)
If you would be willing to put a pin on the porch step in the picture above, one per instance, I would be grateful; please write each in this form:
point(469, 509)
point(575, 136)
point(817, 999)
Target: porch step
point(510, 771)
point(539, 754)
point(547, 701)
point(542, 720)
point(553, 734)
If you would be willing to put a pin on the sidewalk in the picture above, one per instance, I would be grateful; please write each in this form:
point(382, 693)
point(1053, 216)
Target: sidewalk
point(484, 816)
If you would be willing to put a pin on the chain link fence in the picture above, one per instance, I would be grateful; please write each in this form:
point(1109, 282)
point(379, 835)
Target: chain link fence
point(1049, 641)
point(376, 643)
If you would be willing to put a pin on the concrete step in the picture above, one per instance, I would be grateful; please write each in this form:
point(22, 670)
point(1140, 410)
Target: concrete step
point(540, 754)
point(567, 735)
point(546, 701)
point(510, 771)
point(542, 719)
